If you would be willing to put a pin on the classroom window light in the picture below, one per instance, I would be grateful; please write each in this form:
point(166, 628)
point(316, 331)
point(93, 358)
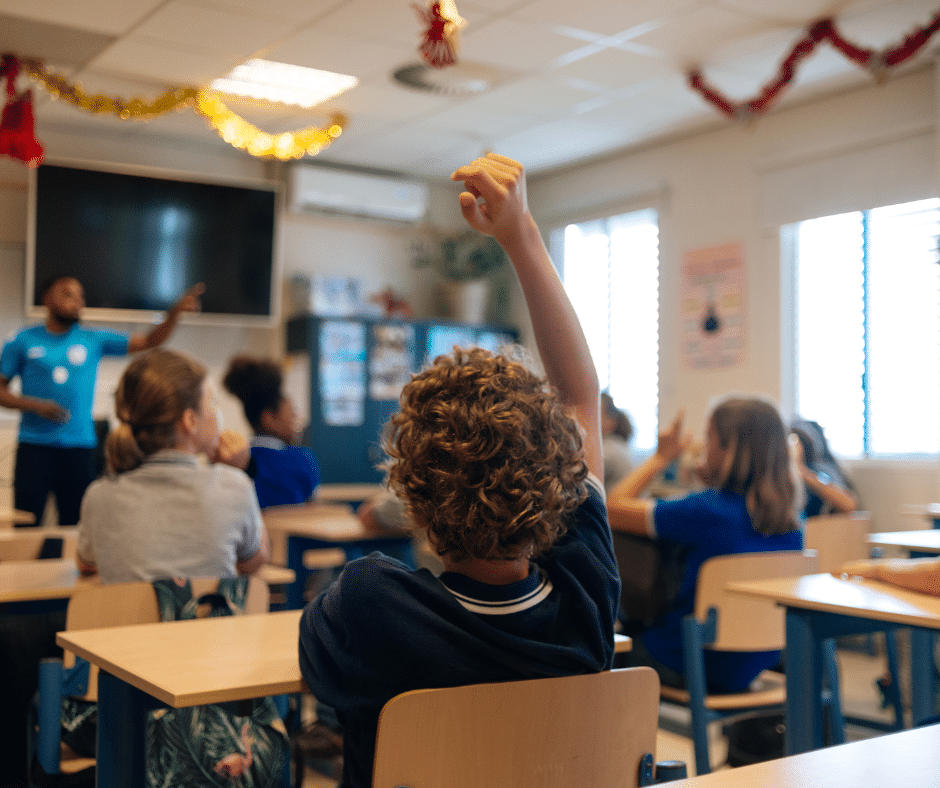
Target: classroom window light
point(281, 82)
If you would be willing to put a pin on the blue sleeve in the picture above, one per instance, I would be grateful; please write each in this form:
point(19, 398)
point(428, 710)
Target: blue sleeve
point(689, 521)
point(314, 467)
point(11, 358)
point(113, 344)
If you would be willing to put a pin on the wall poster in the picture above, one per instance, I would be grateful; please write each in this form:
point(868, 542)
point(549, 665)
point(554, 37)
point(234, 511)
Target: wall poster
point(713, 301)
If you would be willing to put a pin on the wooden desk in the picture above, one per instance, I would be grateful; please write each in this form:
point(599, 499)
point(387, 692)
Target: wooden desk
point(11, 517)
point(929, 512)
point(347, 493)
point(180, 663)
point(925, 542)
point(301, 528)
point(622, 644)
point(819, 607)
point(35, 581)
point(910, 759)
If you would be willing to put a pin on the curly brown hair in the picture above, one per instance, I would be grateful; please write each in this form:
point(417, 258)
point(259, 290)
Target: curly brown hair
point(485, 456)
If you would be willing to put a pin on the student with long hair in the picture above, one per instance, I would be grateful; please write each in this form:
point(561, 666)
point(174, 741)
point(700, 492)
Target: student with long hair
point(283, 471)
point(161, 512)
point(748, 506)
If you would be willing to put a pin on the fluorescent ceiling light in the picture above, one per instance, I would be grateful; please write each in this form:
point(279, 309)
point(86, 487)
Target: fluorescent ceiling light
point(265, 79)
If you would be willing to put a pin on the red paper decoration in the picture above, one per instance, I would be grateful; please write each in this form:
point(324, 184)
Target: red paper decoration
point(441, 40)
point(17, 124)
point(824, 30)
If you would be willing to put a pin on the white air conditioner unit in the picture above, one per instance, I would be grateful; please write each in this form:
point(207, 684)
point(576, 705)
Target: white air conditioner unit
point(375, 196)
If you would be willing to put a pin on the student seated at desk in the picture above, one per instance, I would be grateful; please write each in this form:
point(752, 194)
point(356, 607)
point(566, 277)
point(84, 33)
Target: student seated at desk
point(162, 513)
point(749, 507)
point(495, 469)
point(828, 489)
point(283, 472)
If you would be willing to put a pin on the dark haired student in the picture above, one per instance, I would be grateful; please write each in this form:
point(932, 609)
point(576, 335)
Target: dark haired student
point(57, 364)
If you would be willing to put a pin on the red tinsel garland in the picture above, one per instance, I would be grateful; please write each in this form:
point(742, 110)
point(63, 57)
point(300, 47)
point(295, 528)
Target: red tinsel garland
point(17, 125)
point(824, 30)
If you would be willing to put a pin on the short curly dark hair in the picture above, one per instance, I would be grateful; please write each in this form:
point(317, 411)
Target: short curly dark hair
point(485, 456)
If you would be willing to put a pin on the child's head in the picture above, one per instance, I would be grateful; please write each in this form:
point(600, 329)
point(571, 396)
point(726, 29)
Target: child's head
point(485, 456)
point(613, 420)
point(161, 393)
point(746, 453)
point(258, 383)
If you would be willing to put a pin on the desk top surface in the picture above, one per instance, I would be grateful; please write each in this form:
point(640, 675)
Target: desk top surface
point(348, 493)
point(326, 522)
point(910, 759)
point(855, 597)
point(926, 541)
point(25, 581)
point(928, 510)
point(10, 517)
point(209, 660)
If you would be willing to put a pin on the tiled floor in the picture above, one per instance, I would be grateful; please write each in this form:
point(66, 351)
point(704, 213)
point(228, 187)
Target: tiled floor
point(858, 672)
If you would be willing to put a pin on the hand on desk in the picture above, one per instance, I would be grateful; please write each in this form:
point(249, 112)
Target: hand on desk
point(915, 574)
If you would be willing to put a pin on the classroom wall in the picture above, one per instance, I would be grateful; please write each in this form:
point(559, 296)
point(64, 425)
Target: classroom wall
point(738, 183)
point(731, 182)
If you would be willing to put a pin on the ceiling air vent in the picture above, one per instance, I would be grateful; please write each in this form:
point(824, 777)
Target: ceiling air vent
point(461, 79)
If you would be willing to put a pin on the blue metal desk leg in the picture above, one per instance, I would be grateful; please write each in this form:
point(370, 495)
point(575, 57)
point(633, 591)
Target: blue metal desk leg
point(804, 685)
point(122, 733)
point(923, 680)
point(295, 561)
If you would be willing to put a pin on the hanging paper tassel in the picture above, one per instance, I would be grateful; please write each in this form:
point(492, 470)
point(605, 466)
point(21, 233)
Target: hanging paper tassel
point(441, 40)
point(17, 124)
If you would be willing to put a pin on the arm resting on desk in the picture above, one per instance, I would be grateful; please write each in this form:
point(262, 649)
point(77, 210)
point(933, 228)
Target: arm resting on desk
point(916, 574)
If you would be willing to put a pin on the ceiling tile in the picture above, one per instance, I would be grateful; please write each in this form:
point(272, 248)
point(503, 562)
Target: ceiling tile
point(605, 18)
point(689, 38)
point(164, 64)
point(614, 69)
point(387, 22)
point(511, 43)
point(888, 25)
point(210, 30)
point(339, 53)
point(103, 16)
point(64, 46)
point(295, 11)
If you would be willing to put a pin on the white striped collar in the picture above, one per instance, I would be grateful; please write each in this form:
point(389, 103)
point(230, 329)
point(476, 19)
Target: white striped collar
point(534, 593)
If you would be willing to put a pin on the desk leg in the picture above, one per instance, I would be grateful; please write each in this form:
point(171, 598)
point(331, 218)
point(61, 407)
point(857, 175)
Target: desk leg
point(122, 733)
point(804, 685)
point(295, 561)
point(923, 680)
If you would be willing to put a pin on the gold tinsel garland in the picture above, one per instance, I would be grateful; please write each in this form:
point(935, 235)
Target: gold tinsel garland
point(231, 127)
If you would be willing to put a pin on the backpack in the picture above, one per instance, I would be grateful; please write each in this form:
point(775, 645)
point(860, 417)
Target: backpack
point(214, 746)
point(221, 744)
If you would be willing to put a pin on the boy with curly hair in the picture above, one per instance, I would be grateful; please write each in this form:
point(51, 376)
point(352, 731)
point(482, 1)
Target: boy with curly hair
point(500, 468)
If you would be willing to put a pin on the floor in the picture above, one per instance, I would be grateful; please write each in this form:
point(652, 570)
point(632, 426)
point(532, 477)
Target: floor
point(859, 671)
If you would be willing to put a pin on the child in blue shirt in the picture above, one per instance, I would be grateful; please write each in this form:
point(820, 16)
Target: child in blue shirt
point(748, 507)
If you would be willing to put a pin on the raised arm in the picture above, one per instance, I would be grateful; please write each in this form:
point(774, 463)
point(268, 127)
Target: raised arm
point(494, 202)
point(627, 511)
point(916, 574)
point(161, 332)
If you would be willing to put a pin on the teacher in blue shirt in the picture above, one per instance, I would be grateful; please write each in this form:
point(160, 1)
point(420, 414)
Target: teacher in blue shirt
point(57, 363)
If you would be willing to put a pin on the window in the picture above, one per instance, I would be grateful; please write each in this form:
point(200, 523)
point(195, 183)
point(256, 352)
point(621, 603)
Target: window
point(611, 273)
point(867, 328)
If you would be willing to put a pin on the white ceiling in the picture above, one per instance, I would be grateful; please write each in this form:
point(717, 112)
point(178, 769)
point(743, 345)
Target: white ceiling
point(575, 80)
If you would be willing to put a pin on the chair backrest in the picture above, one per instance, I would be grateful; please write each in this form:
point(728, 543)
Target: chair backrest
point(747, 623)
point(122, 604)
point(838, 538)
point(589, 730)
point(26, 545)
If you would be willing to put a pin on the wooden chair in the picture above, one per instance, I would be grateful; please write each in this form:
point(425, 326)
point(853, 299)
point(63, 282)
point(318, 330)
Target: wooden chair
point(837, 540)
point(93, 607)
point(590, 731)
point(29, 545)
point(733, 622)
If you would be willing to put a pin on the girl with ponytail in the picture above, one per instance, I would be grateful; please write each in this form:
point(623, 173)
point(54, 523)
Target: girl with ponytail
point(162, 511)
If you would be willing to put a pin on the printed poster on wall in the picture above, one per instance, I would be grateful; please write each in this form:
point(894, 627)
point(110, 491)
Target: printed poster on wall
point(713, 306)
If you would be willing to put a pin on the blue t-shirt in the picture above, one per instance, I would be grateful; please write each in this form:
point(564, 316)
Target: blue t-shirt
point(382, 629)
point(62, 368)
point(283, 474)
point(710, 523)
